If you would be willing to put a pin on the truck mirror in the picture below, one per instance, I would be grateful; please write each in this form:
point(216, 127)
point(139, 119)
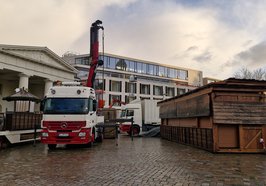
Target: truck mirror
point(42, 105)
point(94, 105)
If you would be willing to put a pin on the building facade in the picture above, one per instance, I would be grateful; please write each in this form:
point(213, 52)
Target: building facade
point(207, 80)
point(32, 68)
point(125, 79)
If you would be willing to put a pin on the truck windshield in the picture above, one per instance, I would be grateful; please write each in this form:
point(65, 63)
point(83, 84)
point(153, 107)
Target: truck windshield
point(126, 113)
point(68, 106)
point(123, 113)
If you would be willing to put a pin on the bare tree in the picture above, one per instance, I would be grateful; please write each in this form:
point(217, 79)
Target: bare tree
point(244, 73)
point(259, 74)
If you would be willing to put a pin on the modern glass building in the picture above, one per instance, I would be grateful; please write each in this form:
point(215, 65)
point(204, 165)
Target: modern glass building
point(125, 79)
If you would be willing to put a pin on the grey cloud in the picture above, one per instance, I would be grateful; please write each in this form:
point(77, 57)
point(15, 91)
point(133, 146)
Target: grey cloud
point(192, 48)
point(254, 55)
point(247, 43)
point(204, 57)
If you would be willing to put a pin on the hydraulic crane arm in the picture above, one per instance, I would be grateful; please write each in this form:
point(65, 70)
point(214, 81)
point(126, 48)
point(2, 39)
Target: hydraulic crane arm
point(94, 52)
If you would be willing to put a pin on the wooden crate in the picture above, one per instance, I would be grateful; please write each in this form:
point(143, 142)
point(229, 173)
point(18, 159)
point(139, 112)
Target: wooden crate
point(109, 132)
point(108, 113)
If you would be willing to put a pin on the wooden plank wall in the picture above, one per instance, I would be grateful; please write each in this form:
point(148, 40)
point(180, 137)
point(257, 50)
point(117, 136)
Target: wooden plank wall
point(197, 137)
point(193, 107)
point(237, 108)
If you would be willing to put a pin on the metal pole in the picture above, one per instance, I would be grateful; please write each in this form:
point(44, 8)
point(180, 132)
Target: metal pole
point(35, 134)
point(116, 135)
point(131, 129)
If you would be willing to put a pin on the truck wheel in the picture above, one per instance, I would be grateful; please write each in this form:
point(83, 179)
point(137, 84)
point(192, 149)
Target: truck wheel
point(136, 130)
point(99, 138)
point(3, 143)
point(52, 146)
point(90, 144)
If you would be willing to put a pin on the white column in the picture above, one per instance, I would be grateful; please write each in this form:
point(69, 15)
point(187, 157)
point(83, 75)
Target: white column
point(48, 84)
point(23, 81)
point(22, 106)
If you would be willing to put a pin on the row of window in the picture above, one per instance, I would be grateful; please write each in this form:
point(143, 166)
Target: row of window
point(118, 97)
point(138, 67)
point(116, 86)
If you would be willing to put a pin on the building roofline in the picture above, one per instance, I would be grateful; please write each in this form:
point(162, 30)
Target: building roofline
point(7, 49)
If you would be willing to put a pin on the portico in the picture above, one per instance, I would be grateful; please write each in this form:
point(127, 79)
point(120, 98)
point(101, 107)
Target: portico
point(31, 67)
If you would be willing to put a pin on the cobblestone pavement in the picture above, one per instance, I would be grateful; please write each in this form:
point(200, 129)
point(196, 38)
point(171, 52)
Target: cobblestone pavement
point(145, 161)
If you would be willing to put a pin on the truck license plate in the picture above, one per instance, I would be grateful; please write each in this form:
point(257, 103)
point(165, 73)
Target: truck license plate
point(63, 135)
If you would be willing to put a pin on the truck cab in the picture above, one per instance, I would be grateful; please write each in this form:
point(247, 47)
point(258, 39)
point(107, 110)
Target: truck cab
point(131, 111)
point(145, 114)
point(69, 115)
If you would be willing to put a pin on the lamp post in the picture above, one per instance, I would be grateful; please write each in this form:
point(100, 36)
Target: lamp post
point(132, 80)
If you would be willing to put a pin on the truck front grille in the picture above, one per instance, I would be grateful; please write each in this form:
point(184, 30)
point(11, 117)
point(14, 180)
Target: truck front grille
point(64, 125)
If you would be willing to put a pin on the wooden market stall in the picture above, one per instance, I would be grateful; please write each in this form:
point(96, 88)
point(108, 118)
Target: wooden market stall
point(226, 116)
point(22, 124)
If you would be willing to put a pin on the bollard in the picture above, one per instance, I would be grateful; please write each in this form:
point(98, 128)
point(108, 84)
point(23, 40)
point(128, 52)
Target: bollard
point(35, 135)
point(131, 129)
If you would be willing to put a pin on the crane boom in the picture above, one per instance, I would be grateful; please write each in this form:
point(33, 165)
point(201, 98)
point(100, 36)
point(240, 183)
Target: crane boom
point(94, 52)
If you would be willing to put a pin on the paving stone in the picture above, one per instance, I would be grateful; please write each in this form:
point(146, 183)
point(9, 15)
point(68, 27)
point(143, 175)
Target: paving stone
point(143, 161)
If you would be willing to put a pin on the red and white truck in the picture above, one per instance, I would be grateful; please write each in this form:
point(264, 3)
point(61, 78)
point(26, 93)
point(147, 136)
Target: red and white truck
point(69, 110)
point(69, 115)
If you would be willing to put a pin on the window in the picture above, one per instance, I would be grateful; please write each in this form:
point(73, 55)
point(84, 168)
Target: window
point(157, 90)
point(150, 69)
point(139, 67)
point(144, 68)
point(182, 74)
point(172, 73)
point(99, 84)
point(144, 89)
point(130, 66)
point(115, 86)
point(121, 65)
point(156, 70)
point(181, 91)
point(162, 71)
point(82, 60)
point(116, 98)
point(131, 87)
point(106, 62)
point(112, 63)
point(128, 99)
point(157, 98)
point(130, 112)
point(170, 91)
point(142, 98)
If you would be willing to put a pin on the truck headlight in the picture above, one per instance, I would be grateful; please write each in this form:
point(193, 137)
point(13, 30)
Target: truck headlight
point(82, 134)
point(45, 134)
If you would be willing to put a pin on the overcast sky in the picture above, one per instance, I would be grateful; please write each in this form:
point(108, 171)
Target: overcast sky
point(215, 36)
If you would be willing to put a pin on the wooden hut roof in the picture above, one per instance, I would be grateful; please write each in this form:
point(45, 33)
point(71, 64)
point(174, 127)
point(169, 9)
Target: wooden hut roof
point(22, 95)
point(228, 84)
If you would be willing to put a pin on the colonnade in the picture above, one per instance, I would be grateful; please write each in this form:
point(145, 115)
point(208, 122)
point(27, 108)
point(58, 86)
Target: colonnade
point(24, 82)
